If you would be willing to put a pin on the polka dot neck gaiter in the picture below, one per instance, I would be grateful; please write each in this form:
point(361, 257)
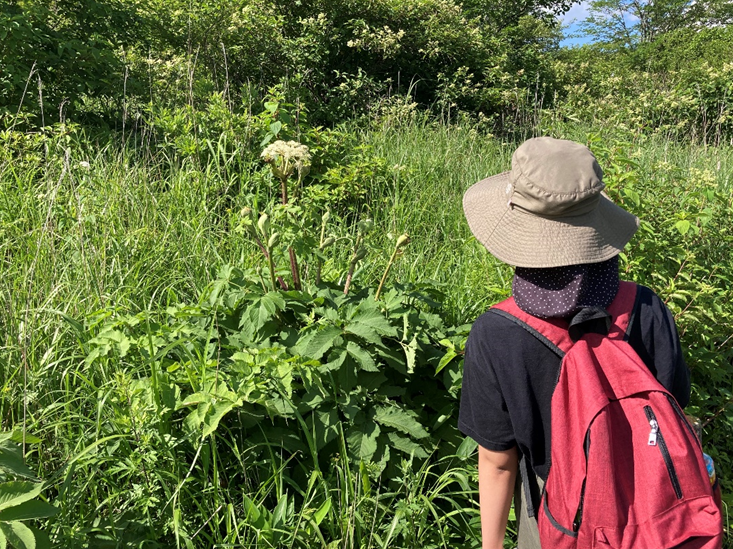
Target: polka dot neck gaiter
point(560, 292)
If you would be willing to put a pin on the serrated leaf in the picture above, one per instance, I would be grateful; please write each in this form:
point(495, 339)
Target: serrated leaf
point(362, 356)
point(16, 492)
point(367, 333)
point(11, 461)
point(326, 426)
point(362, 440)
point(33, 509)
point(248, 322)
point(393, 358)
point(335, 364)
point(402, 420)
point(19, 535)
point(317, 343)
point(375, 320)
point(404, 444)
point(269, 304)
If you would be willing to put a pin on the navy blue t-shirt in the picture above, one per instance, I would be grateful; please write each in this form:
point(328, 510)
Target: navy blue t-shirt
point(509, 377)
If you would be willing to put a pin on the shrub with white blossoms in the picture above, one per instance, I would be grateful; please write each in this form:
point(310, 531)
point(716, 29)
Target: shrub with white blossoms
point(287, 157)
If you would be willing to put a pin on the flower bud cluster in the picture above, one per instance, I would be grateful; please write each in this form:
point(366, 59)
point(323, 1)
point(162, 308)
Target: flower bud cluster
point(286, 157)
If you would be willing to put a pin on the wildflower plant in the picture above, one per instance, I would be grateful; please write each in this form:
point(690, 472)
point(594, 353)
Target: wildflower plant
point(286, 159)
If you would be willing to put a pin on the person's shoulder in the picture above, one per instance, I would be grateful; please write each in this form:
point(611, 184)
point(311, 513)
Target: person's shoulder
point(496, 326)
point(647, 298)
point(651, 311)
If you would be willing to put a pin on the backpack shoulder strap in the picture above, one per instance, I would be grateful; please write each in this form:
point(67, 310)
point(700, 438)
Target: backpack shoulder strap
point(553, 332)
point(623, 310)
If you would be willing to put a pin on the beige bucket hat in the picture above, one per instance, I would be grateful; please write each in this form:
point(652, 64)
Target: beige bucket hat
point(549, 209)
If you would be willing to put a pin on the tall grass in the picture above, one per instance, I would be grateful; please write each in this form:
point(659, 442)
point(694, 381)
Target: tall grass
point(438, 162)
point(87, 230)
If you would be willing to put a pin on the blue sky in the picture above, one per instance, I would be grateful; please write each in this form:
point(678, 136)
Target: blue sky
point(574, 16)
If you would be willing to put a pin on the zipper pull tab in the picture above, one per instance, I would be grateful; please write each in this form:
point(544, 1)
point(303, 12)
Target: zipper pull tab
point(653, 434)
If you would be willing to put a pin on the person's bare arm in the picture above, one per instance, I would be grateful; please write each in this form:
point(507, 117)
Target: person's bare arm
point(497, 472)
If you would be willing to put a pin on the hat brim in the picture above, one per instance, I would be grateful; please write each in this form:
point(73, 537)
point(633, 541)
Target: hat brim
point(523, 239)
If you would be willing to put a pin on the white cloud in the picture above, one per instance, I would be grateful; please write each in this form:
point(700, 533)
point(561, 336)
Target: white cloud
point(575, 14)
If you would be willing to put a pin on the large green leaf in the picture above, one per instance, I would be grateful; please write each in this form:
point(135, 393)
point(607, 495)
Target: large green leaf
point(16, 492)
point(370, 324)
point(362, 356)
point(364, 331)
point(362, 440)
point(11, 460)
point(375, 320)
point(270, 303)
point(317, 343)
point(20, 437)
point(255, 515)
point(33, 509)
point(404, 444)
point(402, 420)
point(211, 407)
point(326, 425)
point(19, 535)
point(280, 512)
point(42, 540)
point(216, 412)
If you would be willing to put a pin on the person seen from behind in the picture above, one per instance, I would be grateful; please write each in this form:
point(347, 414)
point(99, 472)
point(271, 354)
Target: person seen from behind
point(549, 218)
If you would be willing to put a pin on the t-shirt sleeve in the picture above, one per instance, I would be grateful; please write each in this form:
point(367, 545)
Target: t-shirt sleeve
point(483, 413)
point(678, 379)
point(661, 349)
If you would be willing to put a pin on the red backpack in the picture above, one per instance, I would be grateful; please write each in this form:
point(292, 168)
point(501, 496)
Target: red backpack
point(627, 470)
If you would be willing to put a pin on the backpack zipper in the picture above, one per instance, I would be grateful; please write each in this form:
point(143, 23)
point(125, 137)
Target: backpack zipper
point(683, 418)
point(656, 439)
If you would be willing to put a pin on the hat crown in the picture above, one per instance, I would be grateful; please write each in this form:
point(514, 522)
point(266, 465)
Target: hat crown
point(554, 178)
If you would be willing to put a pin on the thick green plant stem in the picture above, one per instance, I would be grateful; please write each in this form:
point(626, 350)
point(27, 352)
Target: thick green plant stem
point(386, 273)
point(291, 252)
point(403, 240)
point(358, 254)
point(271, 265)
point(267, 254)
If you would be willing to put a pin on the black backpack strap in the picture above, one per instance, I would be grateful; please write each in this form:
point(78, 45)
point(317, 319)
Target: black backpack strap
point(554, 348)
point(529, 486)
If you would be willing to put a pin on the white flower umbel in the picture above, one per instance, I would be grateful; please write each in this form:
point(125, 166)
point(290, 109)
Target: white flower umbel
point(287, 157)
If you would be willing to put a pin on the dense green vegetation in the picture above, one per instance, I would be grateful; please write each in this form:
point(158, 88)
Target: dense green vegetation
point(203, 345)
